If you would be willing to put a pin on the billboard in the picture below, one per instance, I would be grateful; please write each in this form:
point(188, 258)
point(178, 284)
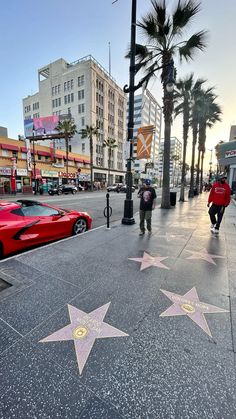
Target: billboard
point(144, 141)
point(28, 154)
point(45, 125)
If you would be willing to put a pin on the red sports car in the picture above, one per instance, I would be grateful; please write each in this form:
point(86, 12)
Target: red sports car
point(27, 223)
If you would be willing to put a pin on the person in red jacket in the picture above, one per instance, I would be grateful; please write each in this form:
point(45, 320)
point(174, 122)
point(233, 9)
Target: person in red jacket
point(219, 196)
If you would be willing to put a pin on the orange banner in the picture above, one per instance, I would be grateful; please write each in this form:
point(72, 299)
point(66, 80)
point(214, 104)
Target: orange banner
point(144, 141)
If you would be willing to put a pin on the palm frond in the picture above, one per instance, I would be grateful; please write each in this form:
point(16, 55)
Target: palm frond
point(196, 41)
point(183, 13)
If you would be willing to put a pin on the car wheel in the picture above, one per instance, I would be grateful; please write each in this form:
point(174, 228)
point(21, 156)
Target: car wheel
point(59, 192)
point(73, 191)
point(80, 226)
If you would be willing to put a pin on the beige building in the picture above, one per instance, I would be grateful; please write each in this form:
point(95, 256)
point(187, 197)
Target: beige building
point(85, 90)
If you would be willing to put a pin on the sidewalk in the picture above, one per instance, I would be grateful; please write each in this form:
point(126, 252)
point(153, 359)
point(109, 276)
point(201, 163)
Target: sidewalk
point(163, 348)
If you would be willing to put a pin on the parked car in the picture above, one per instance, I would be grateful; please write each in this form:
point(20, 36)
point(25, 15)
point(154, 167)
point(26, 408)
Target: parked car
point(27, 223)
point(58, 190)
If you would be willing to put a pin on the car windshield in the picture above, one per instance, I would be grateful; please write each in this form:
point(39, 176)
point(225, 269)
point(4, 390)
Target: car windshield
point(37, 210)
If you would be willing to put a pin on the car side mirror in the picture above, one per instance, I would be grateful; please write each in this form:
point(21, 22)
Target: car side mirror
point(61, 213)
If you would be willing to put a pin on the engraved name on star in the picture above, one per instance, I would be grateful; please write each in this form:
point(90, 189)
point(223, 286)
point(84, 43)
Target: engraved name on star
point(190, 305)
point(84, 329)
point(148, 260)
point(204, 255)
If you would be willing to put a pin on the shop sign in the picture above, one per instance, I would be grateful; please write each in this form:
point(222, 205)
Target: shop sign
point(5, 171)
point(230, 153)
point(49, 173)
point(21, 172)
point(84, 177)
point(64, 174)
point(29, 159)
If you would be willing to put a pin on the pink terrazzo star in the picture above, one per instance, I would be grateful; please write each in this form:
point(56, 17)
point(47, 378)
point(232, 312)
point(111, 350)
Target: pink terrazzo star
point(190, 305)
point(84, 329)
point(204, 255)
point(148, 260)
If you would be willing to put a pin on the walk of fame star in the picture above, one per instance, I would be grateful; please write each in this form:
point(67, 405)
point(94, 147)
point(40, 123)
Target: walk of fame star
point(190, 305)
point(84, 329)
point(148, 260)
point(204, 255)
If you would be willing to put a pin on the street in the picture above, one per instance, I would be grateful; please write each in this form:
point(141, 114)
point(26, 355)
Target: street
point(93, 203)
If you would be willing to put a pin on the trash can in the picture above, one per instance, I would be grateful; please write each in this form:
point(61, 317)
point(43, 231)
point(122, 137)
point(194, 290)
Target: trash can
point(173, 198)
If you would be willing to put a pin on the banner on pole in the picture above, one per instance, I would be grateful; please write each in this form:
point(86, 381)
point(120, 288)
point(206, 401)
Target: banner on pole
point(144, 141)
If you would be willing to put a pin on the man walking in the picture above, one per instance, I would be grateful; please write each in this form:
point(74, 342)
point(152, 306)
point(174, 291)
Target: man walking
point(220, 198)
point(147, 204)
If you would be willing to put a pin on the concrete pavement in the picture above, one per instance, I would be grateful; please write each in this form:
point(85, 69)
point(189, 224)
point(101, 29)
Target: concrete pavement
point(112, 325)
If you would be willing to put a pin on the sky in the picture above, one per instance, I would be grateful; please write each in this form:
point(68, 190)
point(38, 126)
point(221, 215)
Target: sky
point(35, 34)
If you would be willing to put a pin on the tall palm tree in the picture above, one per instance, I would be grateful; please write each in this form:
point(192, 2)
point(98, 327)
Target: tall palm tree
point(90, 132)
point(68, 129)
point(210, 114)
point(110, 143)
point(163, 32)
point(185, 89)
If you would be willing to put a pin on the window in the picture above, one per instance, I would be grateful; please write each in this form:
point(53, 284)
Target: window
point(15, 154)
point(23, 156)
point(69, 98)
point(81, 108)
point(72, 84)
point(80, 94)
point(38, 211)
point(81, 80)
point(4, 153)
point(83, 147)
point(39, 157)
point(65, 86)
point(27, 108)
point(36, 115)
point(69, 111)
point(82, 121)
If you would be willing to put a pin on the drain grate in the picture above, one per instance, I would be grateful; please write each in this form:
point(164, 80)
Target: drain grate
point(4, 285)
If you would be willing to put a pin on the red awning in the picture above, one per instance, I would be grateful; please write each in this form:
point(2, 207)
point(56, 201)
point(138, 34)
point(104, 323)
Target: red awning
point(43, 153)
point(78, 160)
point(9, 147)
point(69, 158)
point(86, 161)
point(24, 150)
point(59, 156)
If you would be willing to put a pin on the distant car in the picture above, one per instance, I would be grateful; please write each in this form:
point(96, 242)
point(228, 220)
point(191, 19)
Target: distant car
point(58, 190)
point(124, 188)
point(114, 188)
point(27, 223)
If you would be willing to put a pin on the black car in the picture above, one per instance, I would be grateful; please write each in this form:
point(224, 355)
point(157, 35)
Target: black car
point(58, 190)
point(124, 188)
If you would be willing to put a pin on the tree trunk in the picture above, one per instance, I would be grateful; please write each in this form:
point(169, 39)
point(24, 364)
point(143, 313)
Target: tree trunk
point(168, 109)
point(201, 178)
point(91, 160)
point(198, 170)
point(191, 190)
point(185, 139)
point(109, 164)
point(67, 155)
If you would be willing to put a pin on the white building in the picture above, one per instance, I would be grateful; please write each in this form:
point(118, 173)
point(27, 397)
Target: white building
point(175, 160)
point(147, 111)
point(85, 90)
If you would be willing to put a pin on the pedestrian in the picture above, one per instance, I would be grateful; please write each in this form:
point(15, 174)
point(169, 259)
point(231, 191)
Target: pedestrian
point(219, 197)
point(147, 196)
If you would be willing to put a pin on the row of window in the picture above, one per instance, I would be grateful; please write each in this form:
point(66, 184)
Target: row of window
point(56, 90)
point(111, 107)
point(111, 95)
point(35, 106)
point(56, 102)
point(99, 85)
point(99, 149)
point(99, 98)
point(99, 111)
point(69, 98)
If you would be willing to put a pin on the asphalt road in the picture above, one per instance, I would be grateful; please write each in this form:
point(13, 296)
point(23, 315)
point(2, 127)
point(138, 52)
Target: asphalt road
point(93, 203)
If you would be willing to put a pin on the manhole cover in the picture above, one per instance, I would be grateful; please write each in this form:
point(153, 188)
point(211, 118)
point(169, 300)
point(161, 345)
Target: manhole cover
point(4, 284)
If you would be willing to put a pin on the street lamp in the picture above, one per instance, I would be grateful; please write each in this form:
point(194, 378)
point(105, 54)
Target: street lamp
point(128, 218)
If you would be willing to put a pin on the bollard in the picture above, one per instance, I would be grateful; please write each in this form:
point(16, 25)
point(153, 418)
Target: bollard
point(108, 211)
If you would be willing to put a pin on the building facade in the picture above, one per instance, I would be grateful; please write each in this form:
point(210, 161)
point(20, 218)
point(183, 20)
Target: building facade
point(175, 161)
point(50, 167)
point(147, 111)
point(86, 91)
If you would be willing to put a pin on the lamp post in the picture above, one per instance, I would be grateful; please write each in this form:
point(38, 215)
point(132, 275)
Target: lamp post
point(128, 204)
point(210, 166)
point(35, 187)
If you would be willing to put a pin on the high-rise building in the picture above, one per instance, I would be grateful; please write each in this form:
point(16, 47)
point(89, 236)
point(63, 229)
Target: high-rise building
point(147, 111)
point(85, 90)
point(175, 160)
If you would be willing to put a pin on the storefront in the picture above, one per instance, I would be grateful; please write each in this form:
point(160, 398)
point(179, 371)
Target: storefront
point(5, 180)
point(22, 180)
point(49, 178)
point(72, 177)
point(227, 161)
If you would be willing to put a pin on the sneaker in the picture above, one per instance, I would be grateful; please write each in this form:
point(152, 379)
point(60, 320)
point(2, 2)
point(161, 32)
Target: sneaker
point(213, 227)
point(149, 232)
point(142, 233)
point(215, 230)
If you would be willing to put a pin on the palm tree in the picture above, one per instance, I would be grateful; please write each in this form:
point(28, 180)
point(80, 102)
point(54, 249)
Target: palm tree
point(90, 132)
point(111, 144)
point(163, 32)
point(185, 89)
point(68, 129)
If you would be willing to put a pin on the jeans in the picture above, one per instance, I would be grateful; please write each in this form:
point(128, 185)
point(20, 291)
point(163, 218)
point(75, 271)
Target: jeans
point(219, 210)
point(145, 215)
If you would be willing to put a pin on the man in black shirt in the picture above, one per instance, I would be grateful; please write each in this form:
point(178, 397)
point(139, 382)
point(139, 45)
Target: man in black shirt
point(147, 204)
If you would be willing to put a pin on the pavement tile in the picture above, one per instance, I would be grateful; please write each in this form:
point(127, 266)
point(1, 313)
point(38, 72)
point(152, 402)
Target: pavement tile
point(7, 336)
point(35, 303)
